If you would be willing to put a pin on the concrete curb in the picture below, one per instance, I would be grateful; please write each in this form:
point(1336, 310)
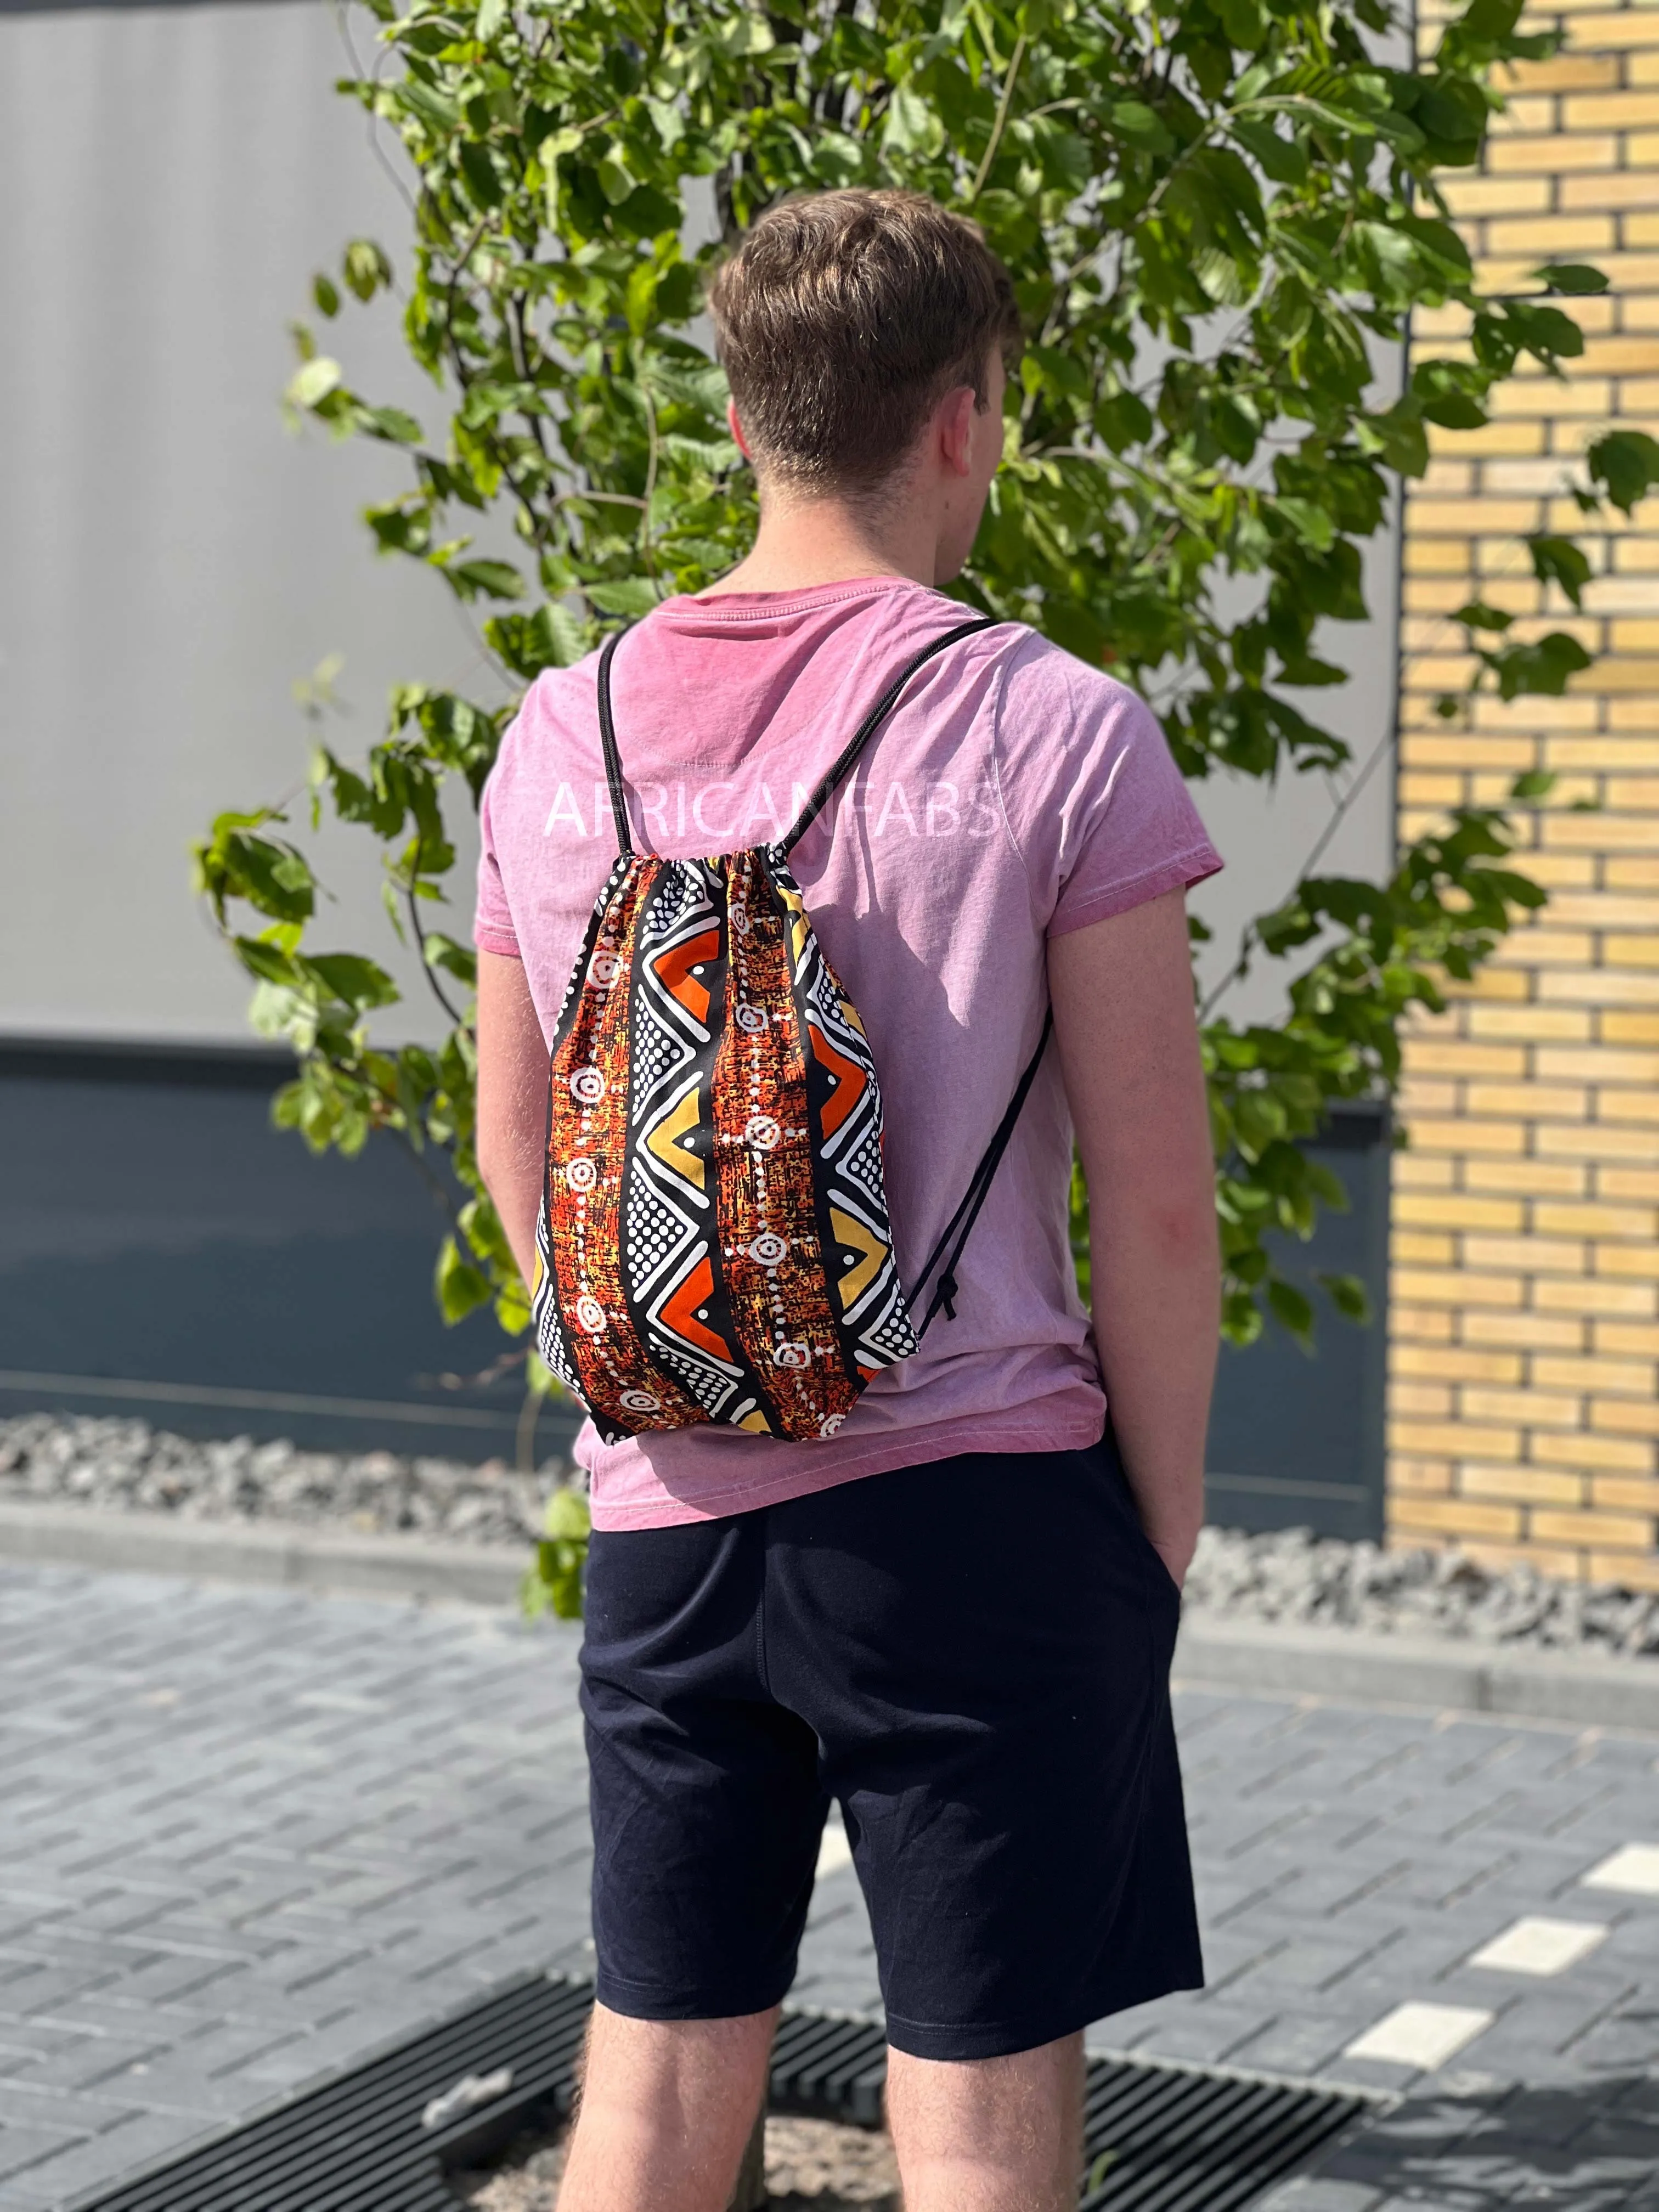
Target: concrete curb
point(1333, 1664)
point(1338, 1664)
point(254, 1551)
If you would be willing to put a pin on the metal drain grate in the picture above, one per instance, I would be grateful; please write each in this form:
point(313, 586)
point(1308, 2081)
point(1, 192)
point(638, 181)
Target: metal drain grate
point(1158, 2137)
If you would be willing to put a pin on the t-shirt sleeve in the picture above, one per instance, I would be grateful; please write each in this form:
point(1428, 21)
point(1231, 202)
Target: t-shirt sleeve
point(1094, 802)
point(492, 920)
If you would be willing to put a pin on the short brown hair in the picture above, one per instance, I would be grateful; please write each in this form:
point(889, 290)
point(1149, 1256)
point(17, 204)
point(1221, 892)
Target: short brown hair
point(843, 319)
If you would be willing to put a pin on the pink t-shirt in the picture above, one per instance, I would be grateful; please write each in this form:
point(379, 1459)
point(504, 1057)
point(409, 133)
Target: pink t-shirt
point(1014, 793)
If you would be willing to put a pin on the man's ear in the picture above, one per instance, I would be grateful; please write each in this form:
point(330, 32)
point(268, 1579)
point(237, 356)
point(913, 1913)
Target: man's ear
point(736, 428)
point(953, 428)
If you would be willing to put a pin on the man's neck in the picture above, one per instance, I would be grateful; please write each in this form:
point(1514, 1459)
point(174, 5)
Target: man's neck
point(808, 542)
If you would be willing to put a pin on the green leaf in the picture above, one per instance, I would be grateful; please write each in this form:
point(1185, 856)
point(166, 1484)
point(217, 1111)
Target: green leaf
point(1627, 462)
point(1543, 668)
point(460, 1288)
point(313, 381)
point(635, 596)
point(1535, 783)
point(1559, 560)
point(1570, 276)
point(365, 268)
point(1348, 1295)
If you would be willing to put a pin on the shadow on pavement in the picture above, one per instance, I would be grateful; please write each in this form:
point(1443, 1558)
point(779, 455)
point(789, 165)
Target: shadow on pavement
point(1583, 2147)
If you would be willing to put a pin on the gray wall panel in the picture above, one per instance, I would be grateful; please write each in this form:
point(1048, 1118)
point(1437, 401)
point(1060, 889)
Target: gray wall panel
point(171, 557)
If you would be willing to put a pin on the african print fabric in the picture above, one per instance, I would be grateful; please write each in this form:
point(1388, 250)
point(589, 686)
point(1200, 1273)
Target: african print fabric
point(714, 1237)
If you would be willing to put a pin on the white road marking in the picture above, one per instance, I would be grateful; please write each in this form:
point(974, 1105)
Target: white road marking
point(835, 1852)
point(1421, 2035)
point(1536, 1946)
point(1632, 1867)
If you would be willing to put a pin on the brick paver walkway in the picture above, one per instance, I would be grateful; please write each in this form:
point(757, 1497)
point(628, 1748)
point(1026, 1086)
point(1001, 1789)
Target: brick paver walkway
point(246, 1838)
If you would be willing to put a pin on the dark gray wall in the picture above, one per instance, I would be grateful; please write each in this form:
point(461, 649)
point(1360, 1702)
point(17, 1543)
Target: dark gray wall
point(164, 1253)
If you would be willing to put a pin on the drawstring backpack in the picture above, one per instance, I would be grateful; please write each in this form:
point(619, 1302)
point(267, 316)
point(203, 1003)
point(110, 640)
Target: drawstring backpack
point(714, 1232)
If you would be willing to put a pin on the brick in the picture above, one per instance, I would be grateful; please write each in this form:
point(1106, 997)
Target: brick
point(1559, 1178)
point(1504, 195)
point(1625, 873)
point(1413, 1246)
point(1530, 1406)
point(1595, 1295)
point(1561, 151)
point(1621, 1567)
point(1625, 1417)
point(1414, 1170)
point(1607, 110)
point(1419, 1325)
point(1598, 1067)
point(1422, 1478)
point(1455, 1363)
point(1526, 1256)
point(1625, 1493)
point(1564, 72)
point(1436, 1056)
point(1453, 1134)
point(1629, 1106)
point(1591, 1140)
point(1531, 1332)
point(1457, 1210)
point(1430, 1401)
point(1621, 1377)
point(1438, 556)
point(1612, 1531)
point(1545, 235)
point(1621, 1182)
point(1557, 1219)
point(1607, 909)
point(1641, 1261)
point(1601, 987)
point(1619, 1026)
point(1456, 1515)
point(1455, 1287)
point(1620, 951)
point(1566, 1024)
point(1623, 188)
point(1633, 1339)
point(1589, 1449)
point(1525, 1485)
point(1469, 517)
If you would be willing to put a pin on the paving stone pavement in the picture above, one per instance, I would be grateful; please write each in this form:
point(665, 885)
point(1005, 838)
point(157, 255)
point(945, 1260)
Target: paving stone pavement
point(248, 1836)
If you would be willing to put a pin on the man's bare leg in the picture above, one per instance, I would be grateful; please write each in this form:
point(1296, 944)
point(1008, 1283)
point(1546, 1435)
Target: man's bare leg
point(989, 2135)
point(665, 2111)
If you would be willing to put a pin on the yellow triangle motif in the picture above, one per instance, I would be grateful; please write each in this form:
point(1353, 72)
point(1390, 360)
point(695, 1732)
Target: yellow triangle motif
point(852, 1233)
point(666, 1140)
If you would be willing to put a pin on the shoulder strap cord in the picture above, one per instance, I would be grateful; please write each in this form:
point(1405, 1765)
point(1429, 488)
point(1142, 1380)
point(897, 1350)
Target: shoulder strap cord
point(820, 798)
point(873, 720)
point(960, 1226)
point(613, 775)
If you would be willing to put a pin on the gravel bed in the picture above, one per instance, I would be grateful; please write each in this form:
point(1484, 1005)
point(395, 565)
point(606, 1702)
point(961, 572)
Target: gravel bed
point(1320, 1583)
point(812, 2166)
point(128, 1466)
point(1291, 1576)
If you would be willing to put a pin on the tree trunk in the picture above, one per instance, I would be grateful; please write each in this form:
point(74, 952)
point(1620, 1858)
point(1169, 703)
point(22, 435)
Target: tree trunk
point(750, 2194)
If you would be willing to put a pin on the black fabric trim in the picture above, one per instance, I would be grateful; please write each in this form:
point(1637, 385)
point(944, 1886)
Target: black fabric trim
point(613, 775)
point(977, 1192)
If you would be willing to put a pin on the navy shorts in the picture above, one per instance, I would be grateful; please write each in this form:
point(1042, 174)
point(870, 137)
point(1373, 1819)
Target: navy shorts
point(972, 1657)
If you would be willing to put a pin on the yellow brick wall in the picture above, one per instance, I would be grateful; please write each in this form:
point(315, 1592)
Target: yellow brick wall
point(1524, 1330)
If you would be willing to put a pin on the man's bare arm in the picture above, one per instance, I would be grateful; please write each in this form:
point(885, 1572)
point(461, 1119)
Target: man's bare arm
point(512, 1101)
point(1128, 1041)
